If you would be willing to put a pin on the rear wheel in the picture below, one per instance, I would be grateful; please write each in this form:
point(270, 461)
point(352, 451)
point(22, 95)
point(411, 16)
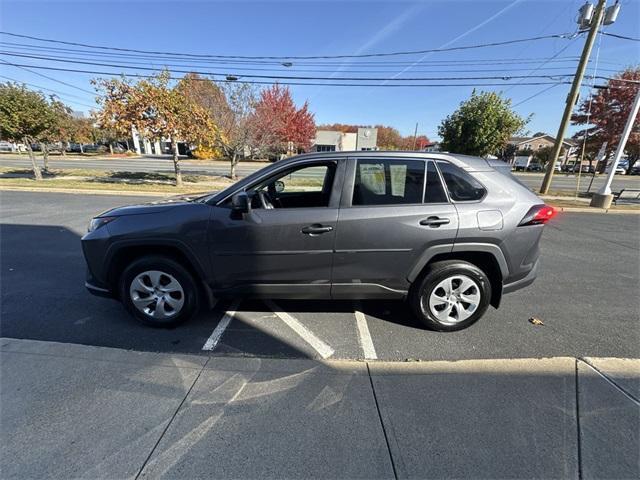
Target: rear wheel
point(451, 295)
point(159, 291)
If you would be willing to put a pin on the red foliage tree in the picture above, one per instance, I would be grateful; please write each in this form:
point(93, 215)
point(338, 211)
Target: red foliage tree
point(610, 109)
point(277, 121)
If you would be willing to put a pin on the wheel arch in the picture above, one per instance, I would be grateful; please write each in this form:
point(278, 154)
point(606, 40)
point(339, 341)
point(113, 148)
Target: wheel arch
point(485, 260)
point(122, 254)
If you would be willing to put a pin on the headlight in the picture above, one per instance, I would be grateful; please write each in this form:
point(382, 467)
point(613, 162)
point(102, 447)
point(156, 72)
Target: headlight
point(97, 222)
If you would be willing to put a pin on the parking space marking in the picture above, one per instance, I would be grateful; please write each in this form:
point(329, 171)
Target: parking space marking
point(307, 335)
point(213, 340)
point(364, 336)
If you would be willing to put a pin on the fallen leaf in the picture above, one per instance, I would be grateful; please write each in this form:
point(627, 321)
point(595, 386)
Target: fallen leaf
point(535, 321)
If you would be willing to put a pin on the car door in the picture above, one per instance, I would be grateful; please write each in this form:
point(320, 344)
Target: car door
point(393, 210)
point(285, 251)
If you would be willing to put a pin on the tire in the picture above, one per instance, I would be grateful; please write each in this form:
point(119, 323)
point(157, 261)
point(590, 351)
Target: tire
point(441, 309)
point(166, 284)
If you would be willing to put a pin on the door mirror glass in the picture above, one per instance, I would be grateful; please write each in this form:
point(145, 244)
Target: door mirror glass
point(240, 203)
point(279, 186)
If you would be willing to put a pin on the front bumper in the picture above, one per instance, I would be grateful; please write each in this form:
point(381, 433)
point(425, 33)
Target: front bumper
point(523, 282)
point(96, 288)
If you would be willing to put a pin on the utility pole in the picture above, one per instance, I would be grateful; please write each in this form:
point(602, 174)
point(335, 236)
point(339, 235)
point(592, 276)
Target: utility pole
point(572, 98)
point(603, 198)
point(415, 136)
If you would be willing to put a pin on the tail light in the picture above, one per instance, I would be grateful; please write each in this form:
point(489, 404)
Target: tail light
point(537, 215)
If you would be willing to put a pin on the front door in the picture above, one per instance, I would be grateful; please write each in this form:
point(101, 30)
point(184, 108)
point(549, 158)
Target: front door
point(284, 245)
point(392, 211)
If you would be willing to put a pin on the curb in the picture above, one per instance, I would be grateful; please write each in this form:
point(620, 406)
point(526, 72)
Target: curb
point(171, 194)
point(89, 192)
point(596, 210)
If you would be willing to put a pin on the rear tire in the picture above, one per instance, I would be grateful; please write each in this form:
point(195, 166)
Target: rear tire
point(450, 295)
point(158, 291)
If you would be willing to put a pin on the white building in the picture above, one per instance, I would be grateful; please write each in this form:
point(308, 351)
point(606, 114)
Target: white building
point(334, 141)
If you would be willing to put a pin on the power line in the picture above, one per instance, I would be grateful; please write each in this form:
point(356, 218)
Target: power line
point(60, 95)
point(257, 82)
point(538, 93)
point(623, 37)
point(297, 70)
point(293, 77)
point(22, 67)
point(390, 63)
point(294, 57)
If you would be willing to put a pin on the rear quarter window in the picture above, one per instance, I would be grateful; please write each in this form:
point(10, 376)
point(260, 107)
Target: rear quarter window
point(461, 185)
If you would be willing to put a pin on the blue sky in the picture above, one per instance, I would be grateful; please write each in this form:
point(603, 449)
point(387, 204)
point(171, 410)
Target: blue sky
point(334, 28)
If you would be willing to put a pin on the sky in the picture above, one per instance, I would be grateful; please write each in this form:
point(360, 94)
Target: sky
point(304, 28)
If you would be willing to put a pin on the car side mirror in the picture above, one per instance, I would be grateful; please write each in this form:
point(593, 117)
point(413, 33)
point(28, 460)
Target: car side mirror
point(240, 203)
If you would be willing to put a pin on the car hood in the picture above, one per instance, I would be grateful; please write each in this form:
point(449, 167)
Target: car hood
point(155, 206)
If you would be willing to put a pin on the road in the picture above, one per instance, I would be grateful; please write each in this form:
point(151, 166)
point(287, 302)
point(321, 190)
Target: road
point(163, 164)
point(586, 294)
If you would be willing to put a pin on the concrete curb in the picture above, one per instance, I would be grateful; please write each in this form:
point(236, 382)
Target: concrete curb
point(170, 194)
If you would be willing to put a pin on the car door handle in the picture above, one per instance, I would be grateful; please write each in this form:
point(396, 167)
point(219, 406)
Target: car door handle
point(435, 221)
point(316, 229)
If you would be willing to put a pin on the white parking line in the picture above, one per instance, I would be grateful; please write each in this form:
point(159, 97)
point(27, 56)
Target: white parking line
point(307, 335)
point(213, 340)
point(364, 336)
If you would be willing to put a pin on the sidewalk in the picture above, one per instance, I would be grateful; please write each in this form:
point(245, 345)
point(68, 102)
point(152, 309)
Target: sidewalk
point(70, 411)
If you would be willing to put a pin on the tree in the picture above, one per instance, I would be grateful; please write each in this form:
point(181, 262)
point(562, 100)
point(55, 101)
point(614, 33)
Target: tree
point(609, 111)
point(389, 138)
point(277, 122)
point(231, 109)
point(157, 110)
point(24, 116)
point(481, 126)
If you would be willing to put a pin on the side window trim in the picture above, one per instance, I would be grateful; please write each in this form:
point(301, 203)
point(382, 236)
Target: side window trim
point(443, 185)
point(338, 179)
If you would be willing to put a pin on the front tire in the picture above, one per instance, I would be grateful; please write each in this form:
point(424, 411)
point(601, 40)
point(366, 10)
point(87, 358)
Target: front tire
point(158, 291)
point(451, 295)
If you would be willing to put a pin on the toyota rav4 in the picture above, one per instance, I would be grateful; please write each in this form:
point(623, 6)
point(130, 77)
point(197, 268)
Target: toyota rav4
point(449, 233)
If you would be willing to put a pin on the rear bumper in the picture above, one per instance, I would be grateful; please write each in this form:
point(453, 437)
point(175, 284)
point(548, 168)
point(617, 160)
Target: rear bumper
point(523, 282)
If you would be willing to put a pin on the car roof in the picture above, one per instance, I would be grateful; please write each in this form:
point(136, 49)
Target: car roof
point(466, 162)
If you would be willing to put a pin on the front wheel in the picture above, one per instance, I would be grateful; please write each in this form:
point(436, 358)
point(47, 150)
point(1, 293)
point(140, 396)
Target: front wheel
point(451, 295)
point(159, 291)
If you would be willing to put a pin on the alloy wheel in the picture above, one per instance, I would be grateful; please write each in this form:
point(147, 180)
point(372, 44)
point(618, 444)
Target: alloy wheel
point(157, 294)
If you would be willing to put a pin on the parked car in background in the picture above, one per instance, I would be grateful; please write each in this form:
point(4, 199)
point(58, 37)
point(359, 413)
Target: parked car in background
point(521, 162)
point(620, 170)
point(534, 167)
point(448, 233)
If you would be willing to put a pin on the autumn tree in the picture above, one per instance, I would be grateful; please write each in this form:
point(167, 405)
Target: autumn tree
point(158, 111)
point(389, 138)
point(277, 122)
point(481, 126)
point(24, 116)
point(606, 113)
point(231, 108)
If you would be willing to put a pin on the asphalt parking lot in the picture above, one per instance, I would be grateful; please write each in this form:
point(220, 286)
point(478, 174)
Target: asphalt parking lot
point(586, 294)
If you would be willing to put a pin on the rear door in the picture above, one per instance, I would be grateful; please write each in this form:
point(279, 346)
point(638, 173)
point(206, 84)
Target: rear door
point(391, 211)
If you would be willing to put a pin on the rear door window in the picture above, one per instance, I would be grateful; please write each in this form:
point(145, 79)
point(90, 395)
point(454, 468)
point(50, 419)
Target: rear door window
point(461, 185)
point(388, 182)
point(434, 193)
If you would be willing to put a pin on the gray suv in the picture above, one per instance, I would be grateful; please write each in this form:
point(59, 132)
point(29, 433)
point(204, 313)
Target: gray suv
point(449, 233)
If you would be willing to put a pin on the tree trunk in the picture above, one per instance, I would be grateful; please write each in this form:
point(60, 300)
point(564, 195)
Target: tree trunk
point(63, 151)
point(111, 148)
point(176, 164)
point(81, 149)
point(36, 169)
point(45, 156)
point(128, 148)
point(234, 162)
